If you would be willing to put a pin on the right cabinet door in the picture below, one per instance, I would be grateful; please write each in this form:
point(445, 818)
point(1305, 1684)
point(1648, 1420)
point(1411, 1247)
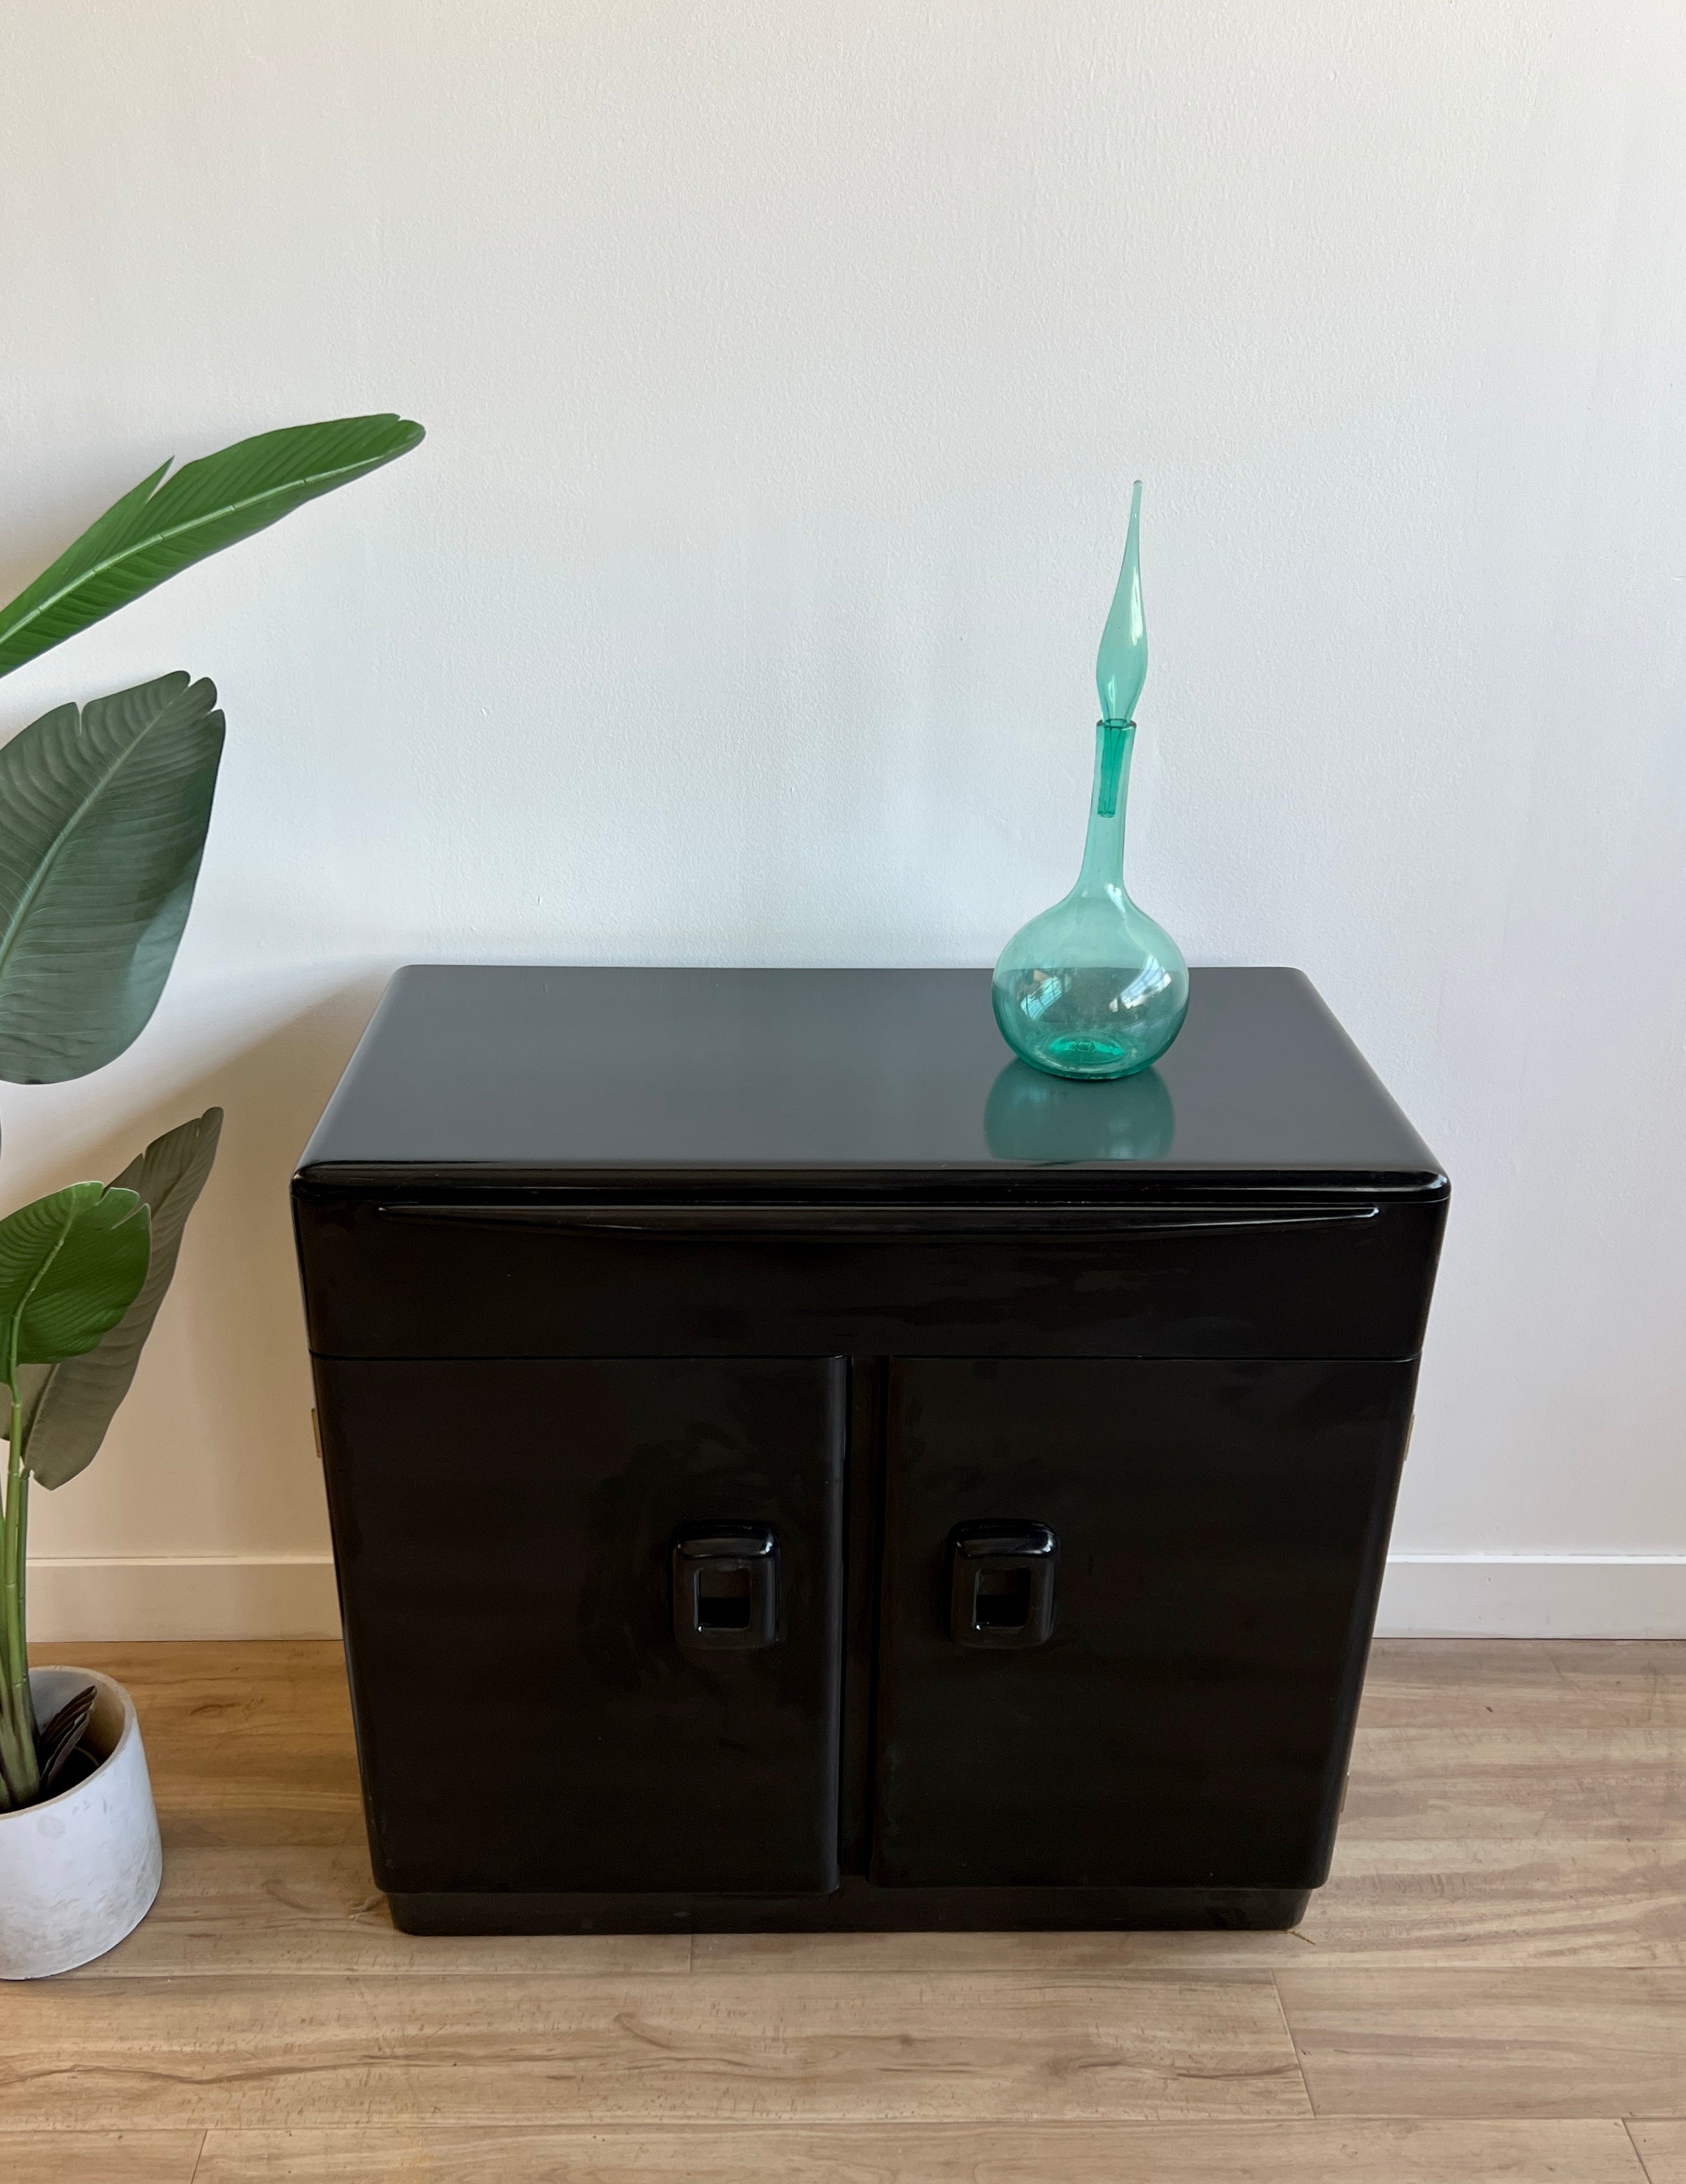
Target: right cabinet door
point(1124, 1615)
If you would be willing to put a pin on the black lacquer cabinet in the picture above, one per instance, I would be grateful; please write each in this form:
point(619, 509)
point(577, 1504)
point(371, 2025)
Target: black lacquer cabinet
point(793, 1466)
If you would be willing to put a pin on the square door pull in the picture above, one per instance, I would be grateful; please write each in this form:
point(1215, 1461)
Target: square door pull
point(1002, 1583)
point(725, 1587)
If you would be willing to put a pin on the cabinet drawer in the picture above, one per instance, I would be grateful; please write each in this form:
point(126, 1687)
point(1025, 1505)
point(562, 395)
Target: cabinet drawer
point(1220, 1530)
point(392, 1278)
point(528, 1718)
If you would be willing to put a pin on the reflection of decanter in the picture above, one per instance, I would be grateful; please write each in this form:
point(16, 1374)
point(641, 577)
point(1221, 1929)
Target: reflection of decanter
point(1029, 1116)
point(1093, 988)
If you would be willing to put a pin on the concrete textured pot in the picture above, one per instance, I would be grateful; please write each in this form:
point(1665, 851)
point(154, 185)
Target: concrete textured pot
point(80, 1871)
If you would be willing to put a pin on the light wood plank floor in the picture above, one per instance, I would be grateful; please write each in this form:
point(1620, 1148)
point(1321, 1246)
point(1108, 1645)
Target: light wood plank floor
point(1492, 1986)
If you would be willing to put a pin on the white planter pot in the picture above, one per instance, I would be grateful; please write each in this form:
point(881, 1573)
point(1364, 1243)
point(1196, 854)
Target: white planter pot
point(80, 1871)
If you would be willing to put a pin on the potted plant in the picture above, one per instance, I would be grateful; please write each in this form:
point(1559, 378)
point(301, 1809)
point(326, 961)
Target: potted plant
point(103, 810)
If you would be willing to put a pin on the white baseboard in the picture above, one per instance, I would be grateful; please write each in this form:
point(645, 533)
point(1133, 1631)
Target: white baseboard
point(182, 1596)
point(1534, 1596)
point(293, 1596)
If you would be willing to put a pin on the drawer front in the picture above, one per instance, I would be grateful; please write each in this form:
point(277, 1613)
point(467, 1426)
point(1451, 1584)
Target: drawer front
point(531, 1715)
point(396, 1279)
point(1125, 1610)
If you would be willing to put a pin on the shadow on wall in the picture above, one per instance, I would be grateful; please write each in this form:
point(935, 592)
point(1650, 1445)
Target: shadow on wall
point(217, 1430)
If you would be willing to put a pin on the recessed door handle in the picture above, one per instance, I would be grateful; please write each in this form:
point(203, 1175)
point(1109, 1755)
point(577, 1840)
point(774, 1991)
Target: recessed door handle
point(1001, 1590)
point(725, 1587)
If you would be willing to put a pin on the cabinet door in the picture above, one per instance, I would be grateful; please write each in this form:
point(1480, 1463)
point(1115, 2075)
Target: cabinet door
point(1125, 1616)
point(530, 1714)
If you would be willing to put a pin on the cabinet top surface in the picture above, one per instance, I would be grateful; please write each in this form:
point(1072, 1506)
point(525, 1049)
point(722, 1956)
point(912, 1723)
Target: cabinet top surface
point(537, 1073)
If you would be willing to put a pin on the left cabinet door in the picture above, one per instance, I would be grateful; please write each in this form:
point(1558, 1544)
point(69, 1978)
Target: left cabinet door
point(548, 1699)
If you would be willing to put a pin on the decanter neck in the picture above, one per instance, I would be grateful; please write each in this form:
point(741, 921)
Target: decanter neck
point(1104, 851)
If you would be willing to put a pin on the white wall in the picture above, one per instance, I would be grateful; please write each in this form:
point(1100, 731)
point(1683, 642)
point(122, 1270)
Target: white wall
point(786, 365)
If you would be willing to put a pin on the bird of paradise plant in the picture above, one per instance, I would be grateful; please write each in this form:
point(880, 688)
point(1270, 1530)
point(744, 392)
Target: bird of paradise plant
point(103, 812)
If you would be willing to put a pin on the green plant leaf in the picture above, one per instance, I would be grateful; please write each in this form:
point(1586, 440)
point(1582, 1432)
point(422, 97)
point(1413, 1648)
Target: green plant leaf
point(67, 1407)
point(71, 1264)
point(103, 819)
point(156, 530)
point(56, 1744)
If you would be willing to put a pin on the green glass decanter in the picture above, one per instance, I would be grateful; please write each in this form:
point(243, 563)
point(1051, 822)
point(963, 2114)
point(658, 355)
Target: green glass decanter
point(1093, 988)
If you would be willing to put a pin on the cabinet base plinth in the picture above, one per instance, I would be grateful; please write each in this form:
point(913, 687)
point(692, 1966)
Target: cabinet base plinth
point(856, 1907)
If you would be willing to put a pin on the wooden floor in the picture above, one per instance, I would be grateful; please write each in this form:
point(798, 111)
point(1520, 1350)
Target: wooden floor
point(1492, 1985)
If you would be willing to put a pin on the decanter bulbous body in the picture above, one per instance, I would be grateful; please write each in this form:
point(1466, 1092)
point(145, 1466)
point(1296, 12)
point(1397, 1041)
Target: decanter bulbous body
point(1093, 988)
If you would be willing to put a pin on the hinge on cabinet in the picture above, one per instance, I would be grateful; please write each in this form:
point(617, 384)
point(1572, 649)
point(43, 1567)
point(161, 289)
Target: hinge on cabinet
point(317, 1432)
